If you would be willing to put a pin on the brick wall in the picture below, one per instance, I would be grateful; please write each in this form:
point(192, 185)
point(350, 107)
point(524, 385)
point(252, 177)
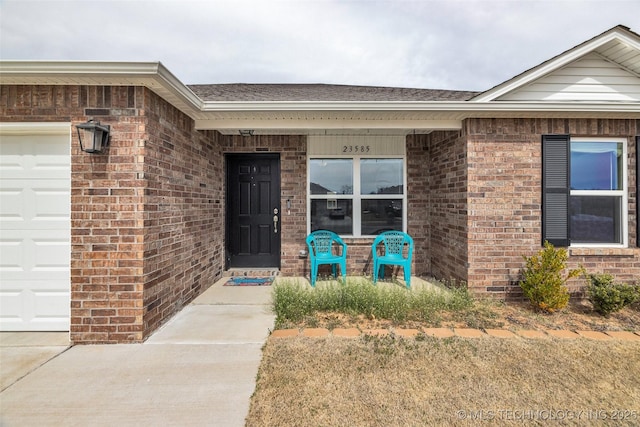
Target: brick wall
point(447, 213)
point(138, 247)
point(505, 220)
point(106, 222)
point(183, 224)
point(419, 198)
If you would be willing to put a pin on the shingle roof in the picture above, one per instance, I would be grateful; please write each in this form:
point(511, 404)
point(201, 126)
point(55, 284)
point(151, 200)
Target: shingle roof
point(321, 92)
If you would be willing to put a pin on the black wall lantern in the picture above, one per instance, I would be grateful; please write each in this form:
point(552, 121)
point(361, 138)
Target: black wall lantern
point(93, 136)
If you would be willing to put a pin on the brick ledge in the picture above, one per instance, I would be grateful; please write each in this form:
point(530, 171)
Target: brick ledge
point(619, 252)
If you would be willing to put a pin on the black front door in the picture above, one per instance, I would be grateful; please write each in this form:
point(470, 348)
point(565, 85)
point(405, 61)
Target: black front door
point(253, 210)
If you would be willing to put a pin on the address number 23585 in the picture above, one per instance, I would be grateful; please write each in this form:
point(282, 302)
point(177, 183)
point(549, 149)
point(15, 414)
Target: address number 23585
point(356, 148)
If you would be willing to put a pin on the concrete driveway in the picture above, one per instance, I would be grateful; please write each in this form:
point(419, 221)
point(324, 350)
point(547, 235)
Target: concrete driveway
point(199, 369)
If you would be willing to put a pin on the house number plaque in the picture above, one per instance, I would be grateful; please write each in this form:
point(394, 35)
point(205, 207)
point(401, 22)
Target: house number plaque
point(356, 145)
point(356, 148)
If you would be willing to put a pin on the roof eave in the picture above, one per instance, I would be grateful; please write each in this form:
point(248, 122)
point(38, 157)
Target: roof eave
point(295, 117)
point(152, 75)
point(157, 78)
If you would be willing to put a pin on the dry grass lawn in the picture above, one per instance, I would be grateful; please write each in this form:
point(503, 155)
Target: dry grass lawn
point(387, 381)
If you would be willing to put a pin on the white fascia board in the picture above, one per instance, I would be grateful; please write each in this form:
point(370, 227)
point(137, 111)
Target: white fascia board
point(38, 67)
point(35, 128)
point(292, 124)
point(178, 87)
point(457, 106)
point(555, 64)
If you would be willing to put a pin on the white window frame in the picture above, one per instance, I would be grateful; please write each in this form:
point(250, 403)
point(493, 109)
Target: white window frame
point(623, 193)
point(357, 197)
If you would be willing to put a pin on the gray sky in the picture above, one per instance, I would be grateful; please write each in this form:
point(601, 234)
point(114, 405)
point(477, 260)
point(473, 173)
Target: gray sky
point(436, 44)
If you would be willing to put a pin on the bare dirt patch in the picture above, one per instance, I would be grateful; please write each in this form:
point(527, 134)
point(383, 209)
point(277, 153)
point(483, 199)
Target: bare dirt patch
point(490, 314)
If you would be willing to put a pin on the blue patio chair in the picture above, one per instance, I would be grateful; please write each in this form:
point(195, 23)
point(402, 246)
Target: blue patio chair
point(394, 253)
point(326, 247)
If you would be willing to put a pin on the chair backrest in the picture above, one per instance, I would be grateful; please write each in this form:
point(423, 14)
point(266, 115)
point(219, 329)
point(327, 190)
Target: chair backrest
point(321, 241)
point(394, 242)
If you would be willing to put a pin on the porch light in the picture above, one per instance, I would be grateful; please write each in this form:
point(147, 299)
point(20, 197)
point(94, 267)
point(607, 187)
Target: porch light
point(246, 132)
point(93, 136)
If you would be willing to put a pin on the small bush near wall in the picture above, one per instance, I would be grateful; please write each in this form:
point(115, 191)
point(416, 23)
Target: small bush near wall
point(608, 296)
point(543, 283)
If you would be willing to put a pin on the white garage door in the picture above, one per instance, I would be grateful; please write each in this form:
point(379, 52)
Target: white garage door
point(35, 188)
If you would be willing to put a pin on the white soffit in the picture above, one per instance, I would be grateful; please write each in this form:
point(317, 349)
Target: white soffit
point(618, 45)
point(407, 116)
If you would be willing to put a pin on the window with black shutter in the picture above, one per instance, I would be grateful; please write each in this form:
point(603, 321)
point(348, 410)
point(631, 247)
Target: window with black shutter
point(584, 191)
point(555, 189)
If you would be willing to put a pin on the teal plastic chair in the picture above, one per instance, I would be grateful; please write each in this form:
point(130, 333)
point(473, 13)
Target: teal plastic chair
point(326, 247)
point(394, 253)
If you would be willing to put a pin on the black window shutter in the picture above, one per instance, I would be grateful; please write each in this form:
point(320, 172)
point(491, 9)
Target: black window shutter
point(555, 189)
point(638, 191)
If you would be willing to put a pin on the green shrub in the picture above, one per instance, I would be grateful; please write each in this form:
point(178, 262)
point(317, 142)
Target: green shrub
point(543, 282)
point(607, 296)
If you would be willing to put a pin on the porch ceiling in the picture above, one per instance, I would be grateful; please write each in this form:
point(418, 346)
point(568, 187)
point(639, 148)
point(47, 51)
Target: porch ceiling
point(404, 119)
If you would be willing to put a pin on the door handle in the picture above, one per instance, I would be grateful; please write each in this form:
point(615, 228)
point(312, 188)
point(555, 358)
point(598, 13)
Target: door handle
point(275, 220)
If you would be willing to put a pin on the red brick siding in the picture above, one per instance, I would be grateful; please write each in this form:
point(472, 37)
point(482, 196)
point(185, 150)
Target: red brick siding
point(183, 211)
point(505, 221)
point(447, 214)
point(138, 250)
point(419, 198)
point(107, 236)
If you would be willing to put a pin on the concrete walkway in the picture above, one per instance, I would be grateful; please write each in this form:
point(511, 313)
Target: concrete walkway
point(199, 369)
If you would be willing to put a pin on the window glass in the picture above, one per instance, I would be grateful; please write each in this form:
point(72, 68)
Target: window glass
point(380, 215)
point(332, 214)
point(596, 166)
point(381, 176)
point(356, 196)
point(331, 176)
point(596, 219)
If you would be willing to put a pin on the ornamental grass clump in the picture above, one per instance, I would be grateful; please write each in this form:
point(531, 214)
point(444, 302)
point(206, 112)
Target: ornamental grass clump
point(608, 296)
point(543, 281)
point(294, 302)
